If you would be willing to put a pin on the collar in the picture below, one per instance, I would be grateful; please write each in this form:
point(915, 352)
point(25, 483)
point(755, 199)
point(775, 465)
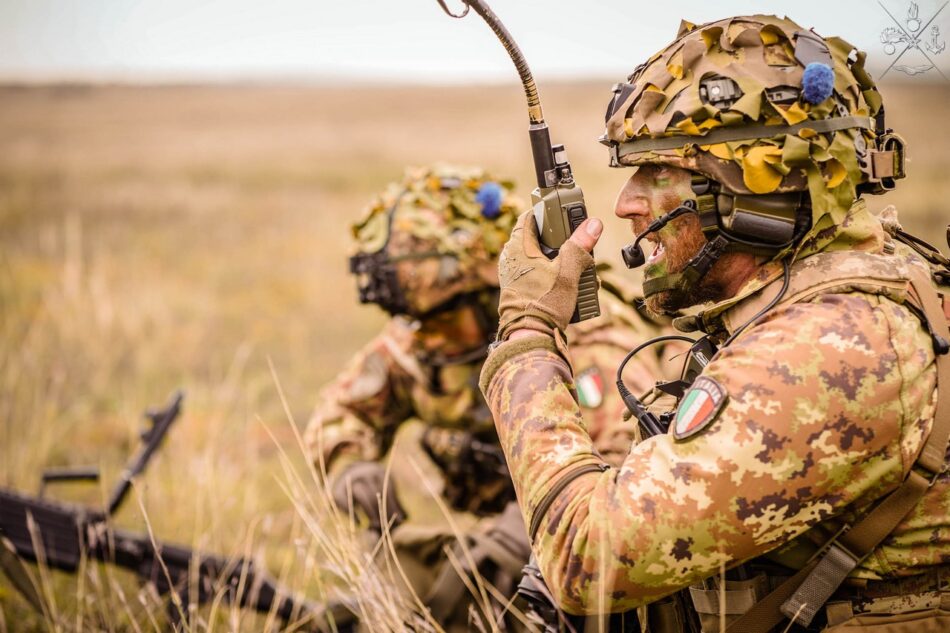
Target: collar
point(714, 320)
point(857, 232)
point(828, 272)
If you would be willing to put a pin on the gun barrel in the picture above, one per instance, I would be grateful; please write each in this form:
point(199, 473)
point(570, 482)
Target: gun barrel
point(175, 568)
point(59, 535)
point(161, 422)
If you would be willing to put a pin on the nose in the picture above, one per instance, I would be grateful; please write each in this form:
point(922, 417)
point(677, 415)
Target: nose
point(632, 201)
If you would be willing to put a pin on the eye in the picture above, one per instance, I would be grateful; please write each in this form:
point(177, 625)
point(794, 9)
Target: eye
point(662, 176)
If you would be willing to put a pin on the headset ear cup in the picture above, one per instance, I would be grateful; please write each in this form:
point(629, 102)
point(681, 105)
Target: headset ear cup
point(803, 218)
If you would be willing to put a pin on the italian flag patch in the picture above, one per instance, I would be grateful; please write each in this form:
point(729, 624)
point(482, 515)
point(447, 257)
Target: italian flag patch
point(698, 408)
point(590, 388)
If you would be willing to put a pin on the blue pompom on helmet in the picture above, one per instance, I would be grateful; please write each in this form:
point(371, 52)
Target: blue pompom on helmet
point(818, 82)
point(490, 195)
point(432, 237)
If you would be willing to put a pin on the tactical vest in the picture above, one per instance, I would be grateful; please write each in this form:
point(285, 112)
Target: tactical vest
point(910, 273)
point(921, 281)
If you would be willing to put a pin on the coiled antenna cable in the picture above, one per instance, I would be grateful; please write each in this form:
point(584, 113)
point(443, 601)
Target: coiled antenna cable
point(558, 202)
point(521, 65)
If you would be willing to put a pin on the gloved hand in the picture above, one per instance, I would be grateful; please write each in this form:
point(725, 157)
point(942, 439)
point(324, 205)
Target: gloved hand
point(364, 482)
point(538, 293)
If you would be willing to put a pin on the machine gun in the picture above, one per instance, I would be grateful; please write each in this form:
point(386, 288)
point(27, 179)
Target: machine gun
point(60, 535)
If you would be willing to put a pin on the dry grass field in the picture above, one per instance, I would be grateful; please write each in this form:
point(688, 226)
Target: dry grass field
point(162, 237)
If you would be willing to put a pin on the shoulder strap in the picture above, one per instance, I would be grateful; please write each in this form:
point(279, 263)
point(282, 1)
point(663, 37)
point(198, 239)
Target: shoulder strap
point(800, 597)
point(933, 456)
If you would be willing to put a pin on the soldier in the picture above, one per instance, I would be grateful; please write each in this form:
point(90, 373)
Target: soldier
point(427, 253)
point(809, 456)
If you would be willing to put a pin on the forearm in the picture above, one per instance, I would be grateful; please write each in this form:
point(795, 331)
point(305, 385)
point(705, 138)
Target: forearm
point(678, 510)
point(540, 426)
point(542, 431)
point(337, 439)
point(598, 544)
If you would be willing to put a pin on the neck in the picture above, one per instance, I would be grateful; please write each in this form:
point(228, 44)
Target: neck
point(737, 269)
point(453, 333)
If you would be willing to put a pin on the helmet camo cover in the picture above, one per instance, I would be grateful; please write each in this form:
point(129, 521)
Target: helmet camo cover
point(443, 227)
point(726, 99)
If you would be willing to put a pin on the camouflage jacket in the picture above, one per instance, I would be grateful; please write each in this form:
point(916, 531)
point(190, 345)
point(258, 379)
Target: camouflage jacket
point(390, 381)
point(826, 403)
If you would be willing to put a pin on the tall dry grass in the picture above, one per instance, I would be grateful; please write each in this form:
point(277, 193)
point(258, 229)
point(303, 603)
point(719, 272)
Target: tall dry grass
point(157, 237)
point(240, 485)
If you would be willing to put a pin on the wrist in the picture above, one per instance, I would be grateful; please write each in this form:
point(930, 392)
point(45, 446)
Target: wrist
point(525, 333)
point(524, 323)
point(504, 351)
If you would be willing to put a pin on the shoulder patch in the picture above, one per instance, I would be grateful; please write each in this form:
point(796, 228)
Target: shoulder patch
point(698, 408)
point(590, 387)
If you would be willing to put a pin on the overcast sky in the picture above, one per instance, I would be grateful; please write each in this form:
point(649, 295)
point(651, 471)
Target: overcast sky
point(390, 40)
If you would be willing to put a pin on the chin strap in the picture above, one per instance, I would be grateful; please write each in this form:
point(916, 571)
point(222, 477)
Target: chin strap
point(696, 269)
point(761, 225)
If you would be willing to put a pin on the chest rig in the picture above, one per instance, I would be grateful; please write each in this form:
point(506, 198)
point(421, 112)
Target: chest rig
point(924, 288)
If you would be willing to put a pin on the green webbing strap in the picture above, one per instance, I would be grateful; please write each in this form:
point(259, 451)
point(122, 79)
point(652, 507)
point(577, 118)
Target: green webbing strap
point(848, 550)
point(766, 614)
point(740, 133)
point(668, 282)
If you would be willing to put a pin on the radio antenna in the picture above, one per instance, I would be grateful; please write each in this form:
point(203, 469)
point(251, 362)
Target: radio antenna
point(558, 201)
point(521, 64)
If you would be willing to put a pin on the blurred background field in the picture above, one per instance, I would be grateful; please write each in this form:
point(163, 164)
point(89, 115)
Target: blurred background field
point(155, 237)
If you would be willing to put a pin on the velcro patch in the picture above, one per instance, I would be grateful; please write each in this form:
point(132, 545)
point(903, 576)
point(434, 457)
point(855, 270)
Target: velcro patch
point(590, 387)
point(698, 408)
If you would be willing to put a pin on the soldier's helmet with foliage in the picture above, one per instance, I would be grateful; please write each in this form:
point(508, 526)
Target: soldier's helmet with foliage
point(762, 107)
point(433, 239)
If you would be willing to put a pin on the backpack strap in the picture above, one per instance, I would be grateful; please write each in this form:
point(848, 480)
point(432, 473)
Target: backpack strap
point(800, 597)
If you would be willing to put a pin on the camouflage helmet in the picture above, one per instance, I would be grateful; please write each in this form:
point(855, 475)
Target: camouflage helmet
point(762, 107)
point(433, 237)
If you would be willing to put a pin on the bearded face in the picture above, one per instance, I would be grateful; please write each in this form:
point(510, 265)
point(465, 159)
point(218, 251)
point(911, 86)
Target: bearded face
point(653, 191)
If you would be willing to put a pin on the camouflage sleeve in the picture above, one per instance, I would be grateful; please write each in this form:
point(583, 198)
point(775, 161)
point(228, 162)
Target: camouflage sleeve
point(595, 360)
point(827, 405)
point(359, 409)
point(597, 349)
point(595, 367)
